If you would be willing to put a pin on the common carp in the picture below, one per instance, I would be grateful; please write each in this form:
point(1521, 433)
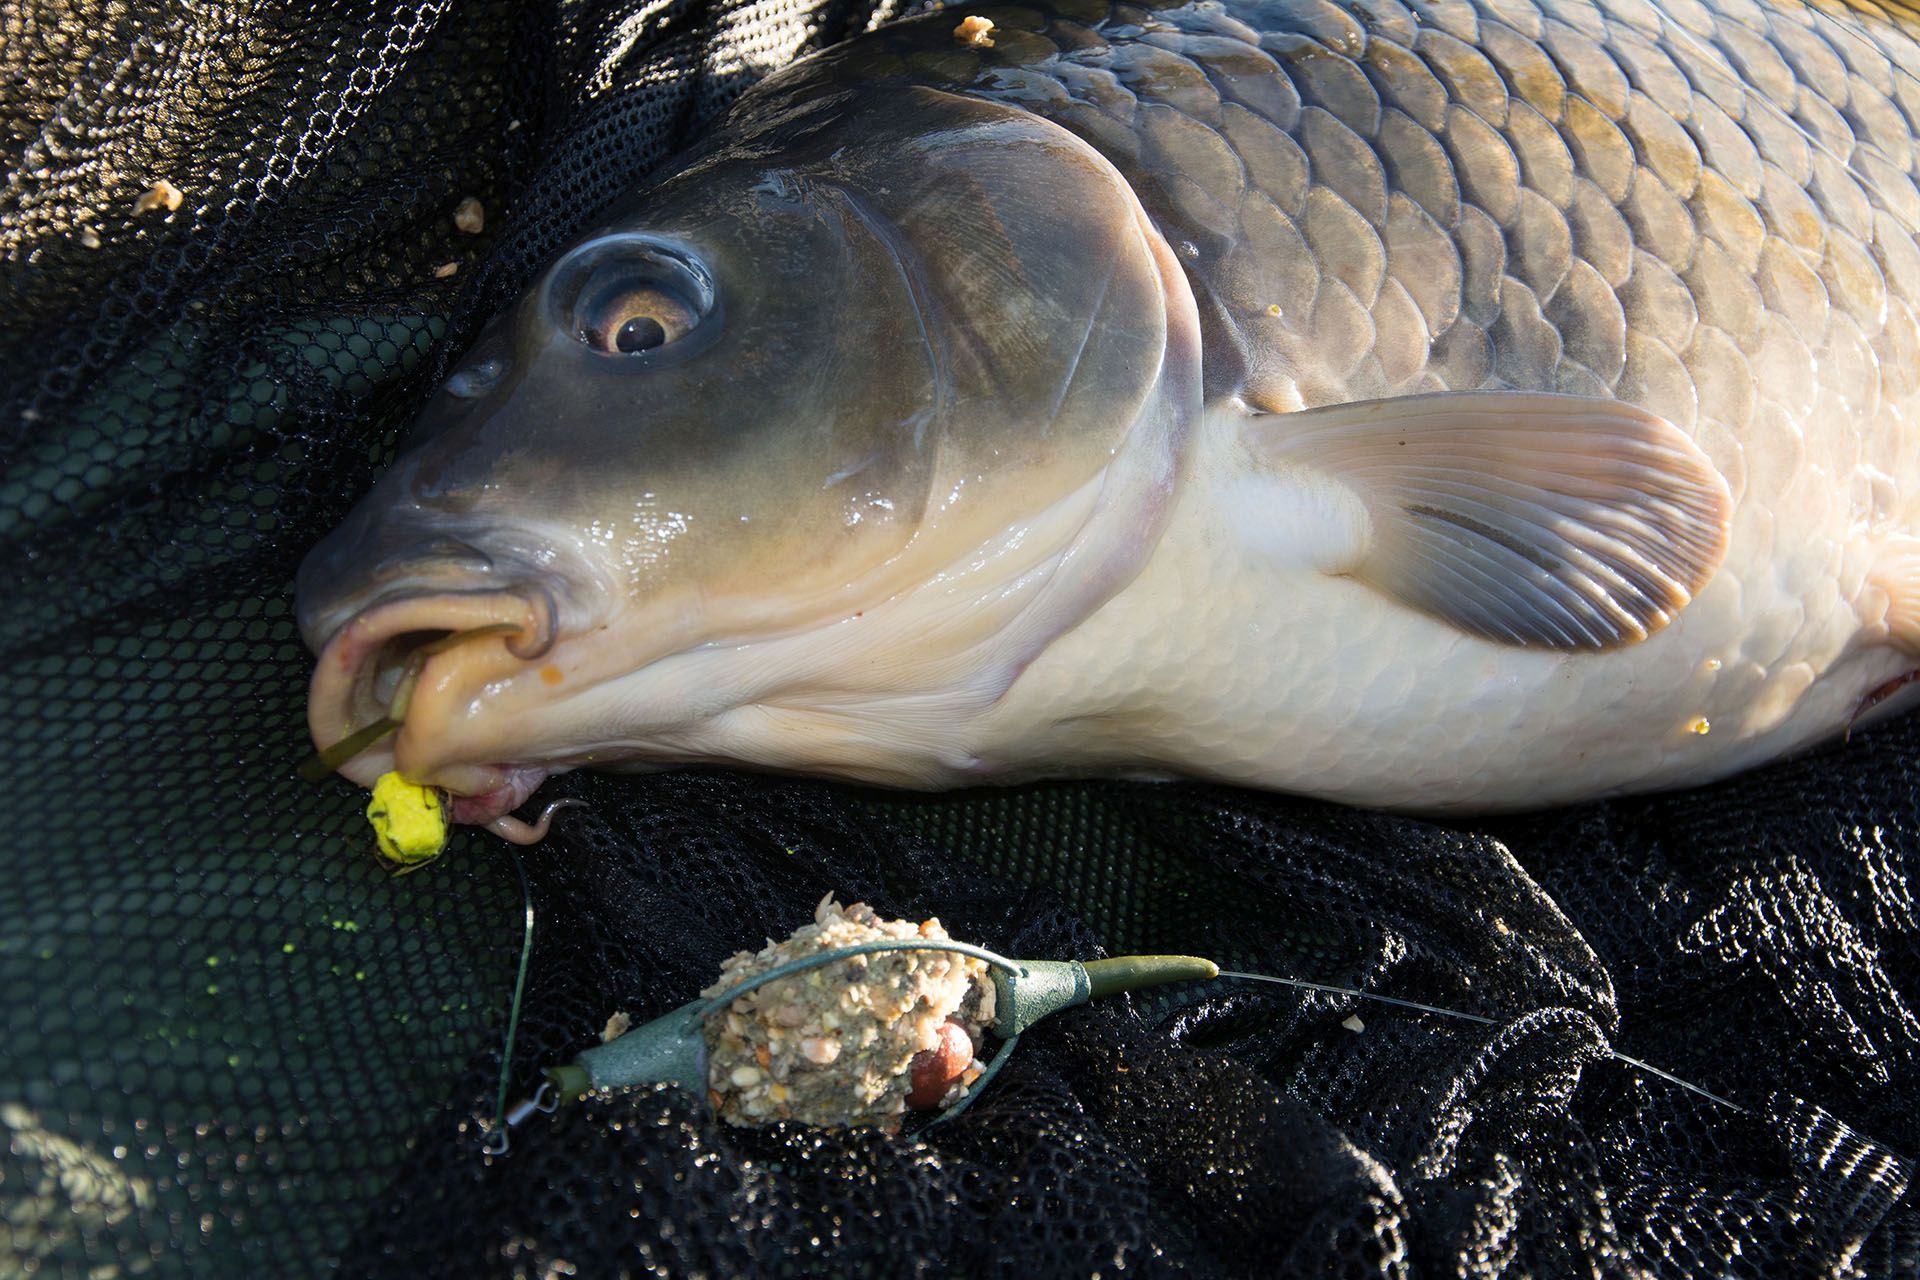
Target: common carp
point(1430, 405)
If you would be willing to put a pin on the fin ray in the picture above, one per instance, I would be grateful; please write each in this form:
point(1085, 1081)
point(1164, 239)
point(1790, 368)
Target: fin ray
point(1896, 572)
point(1532, 519)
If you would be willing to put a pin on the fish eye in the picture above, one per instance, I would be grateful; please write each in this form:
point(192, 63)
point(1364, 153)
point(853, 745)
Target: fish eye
point(629, 295)
point(628, 319)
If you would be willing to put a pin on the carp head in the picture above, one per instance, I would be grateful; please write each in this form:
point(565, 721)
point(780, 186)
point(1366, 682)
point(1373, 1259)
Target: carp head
point(796, 462)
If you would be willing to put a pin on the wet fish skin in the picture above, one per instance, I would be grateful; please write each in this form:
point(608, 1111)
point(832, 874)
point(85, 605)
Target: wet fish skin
point(1446, 197)
point(1709, 212)
point(1706, 212)
point(764, 475)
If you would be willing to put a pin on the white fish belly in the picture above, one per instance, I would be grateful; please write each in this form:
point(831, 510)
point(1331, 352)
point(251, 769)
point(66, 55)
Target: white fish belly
point(1222, 660)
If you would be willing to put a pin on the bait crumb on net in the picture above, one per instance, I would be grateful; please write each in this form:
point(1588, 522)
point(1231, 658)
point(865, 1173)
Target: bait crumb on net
point(161, 195)
point(470, 216)
point(89, 238)
point(847, 1044)
point(617, 1025)
point(1352, 1023)
point(445, 269)
point(976, 31)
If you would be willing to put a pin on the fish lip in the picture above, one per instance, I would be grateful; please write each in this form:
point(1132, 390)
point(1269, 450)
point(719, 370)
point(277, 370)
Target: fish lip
point(341, 697)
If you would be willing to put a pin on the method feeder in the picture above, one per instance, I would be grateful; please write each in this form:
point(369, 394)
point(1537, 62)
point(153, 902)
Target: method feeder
point(672, 1049)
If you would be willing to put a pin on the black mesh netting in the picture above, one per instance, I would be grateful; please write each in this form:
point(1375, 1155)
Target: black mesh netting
point(232, 1045)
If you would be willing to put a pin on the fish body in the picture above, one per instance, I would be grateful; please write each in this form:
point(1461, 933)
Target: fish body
point(1433, 406)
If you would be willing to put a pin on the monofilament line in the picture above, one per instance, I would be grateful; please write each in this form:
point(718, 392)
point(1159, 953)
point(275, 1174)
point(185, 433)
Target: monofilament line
point(1329, 989)
point(519, 990)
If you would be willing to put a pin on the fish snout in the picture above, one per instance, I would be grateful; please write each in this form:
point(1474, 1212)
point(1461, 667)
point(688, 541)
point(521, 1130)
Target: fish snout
point(410, 659)
point(381, 553)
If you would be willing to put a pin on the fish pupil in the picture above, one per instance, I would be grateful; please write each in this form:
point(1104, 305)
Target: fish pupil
point(642, 333)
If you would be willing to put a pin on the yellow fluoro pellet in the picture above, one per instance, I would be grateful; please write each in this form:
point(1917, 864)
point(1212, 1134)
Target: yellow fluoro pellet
point(409, 822)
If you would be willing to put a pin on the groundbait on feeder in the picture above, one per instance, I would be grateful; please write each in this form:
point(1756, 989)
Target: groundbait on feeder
point(855, 1020)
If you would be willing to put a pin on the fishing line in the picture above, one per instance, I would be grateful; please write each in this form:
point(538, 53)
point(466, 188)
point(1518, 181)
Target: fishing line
point(1613, 1053)
point(519, 990)
point(1304, 985)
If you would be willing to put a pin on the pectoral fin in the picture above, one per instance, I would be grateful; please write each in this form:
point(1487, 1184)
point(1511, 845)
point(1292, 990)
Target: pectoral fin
point(1524, 518)
point(1896, 573)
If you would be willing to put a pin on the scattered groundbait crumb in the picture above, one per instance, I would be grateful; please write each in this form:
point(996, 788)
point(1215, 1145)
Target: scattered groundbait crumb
point(470, 216)
point(976, 31)
point(89, 238)
point(1352, 1023)
point(445, 269)
point(617, 1025)
point(161, 195)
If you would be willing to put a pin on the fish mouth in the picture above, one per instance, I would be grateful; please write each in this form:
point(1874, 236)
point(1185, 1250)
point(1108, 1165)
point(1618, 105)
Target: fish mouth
point(422, 661)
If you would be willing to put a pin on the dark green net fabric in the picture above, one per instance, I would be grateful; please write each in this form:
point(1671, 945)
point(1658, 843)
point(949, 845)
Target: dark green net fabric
point(232, 1045)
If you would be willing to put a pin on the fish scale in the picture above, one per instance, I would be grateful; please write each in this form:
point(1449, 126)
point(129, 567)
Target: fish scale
point(1704, 211)
point(1555, 124)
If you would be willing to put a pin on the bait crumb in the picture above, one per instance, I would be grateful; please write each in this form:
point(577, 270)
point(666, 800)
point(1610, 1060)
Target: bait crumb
point(976, 31)
point(445, 269)
point(837, 1046)
point(470, 216)
point(161, 195)
point(89, 238)
point(1352, 1023)
point(617, 1025)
